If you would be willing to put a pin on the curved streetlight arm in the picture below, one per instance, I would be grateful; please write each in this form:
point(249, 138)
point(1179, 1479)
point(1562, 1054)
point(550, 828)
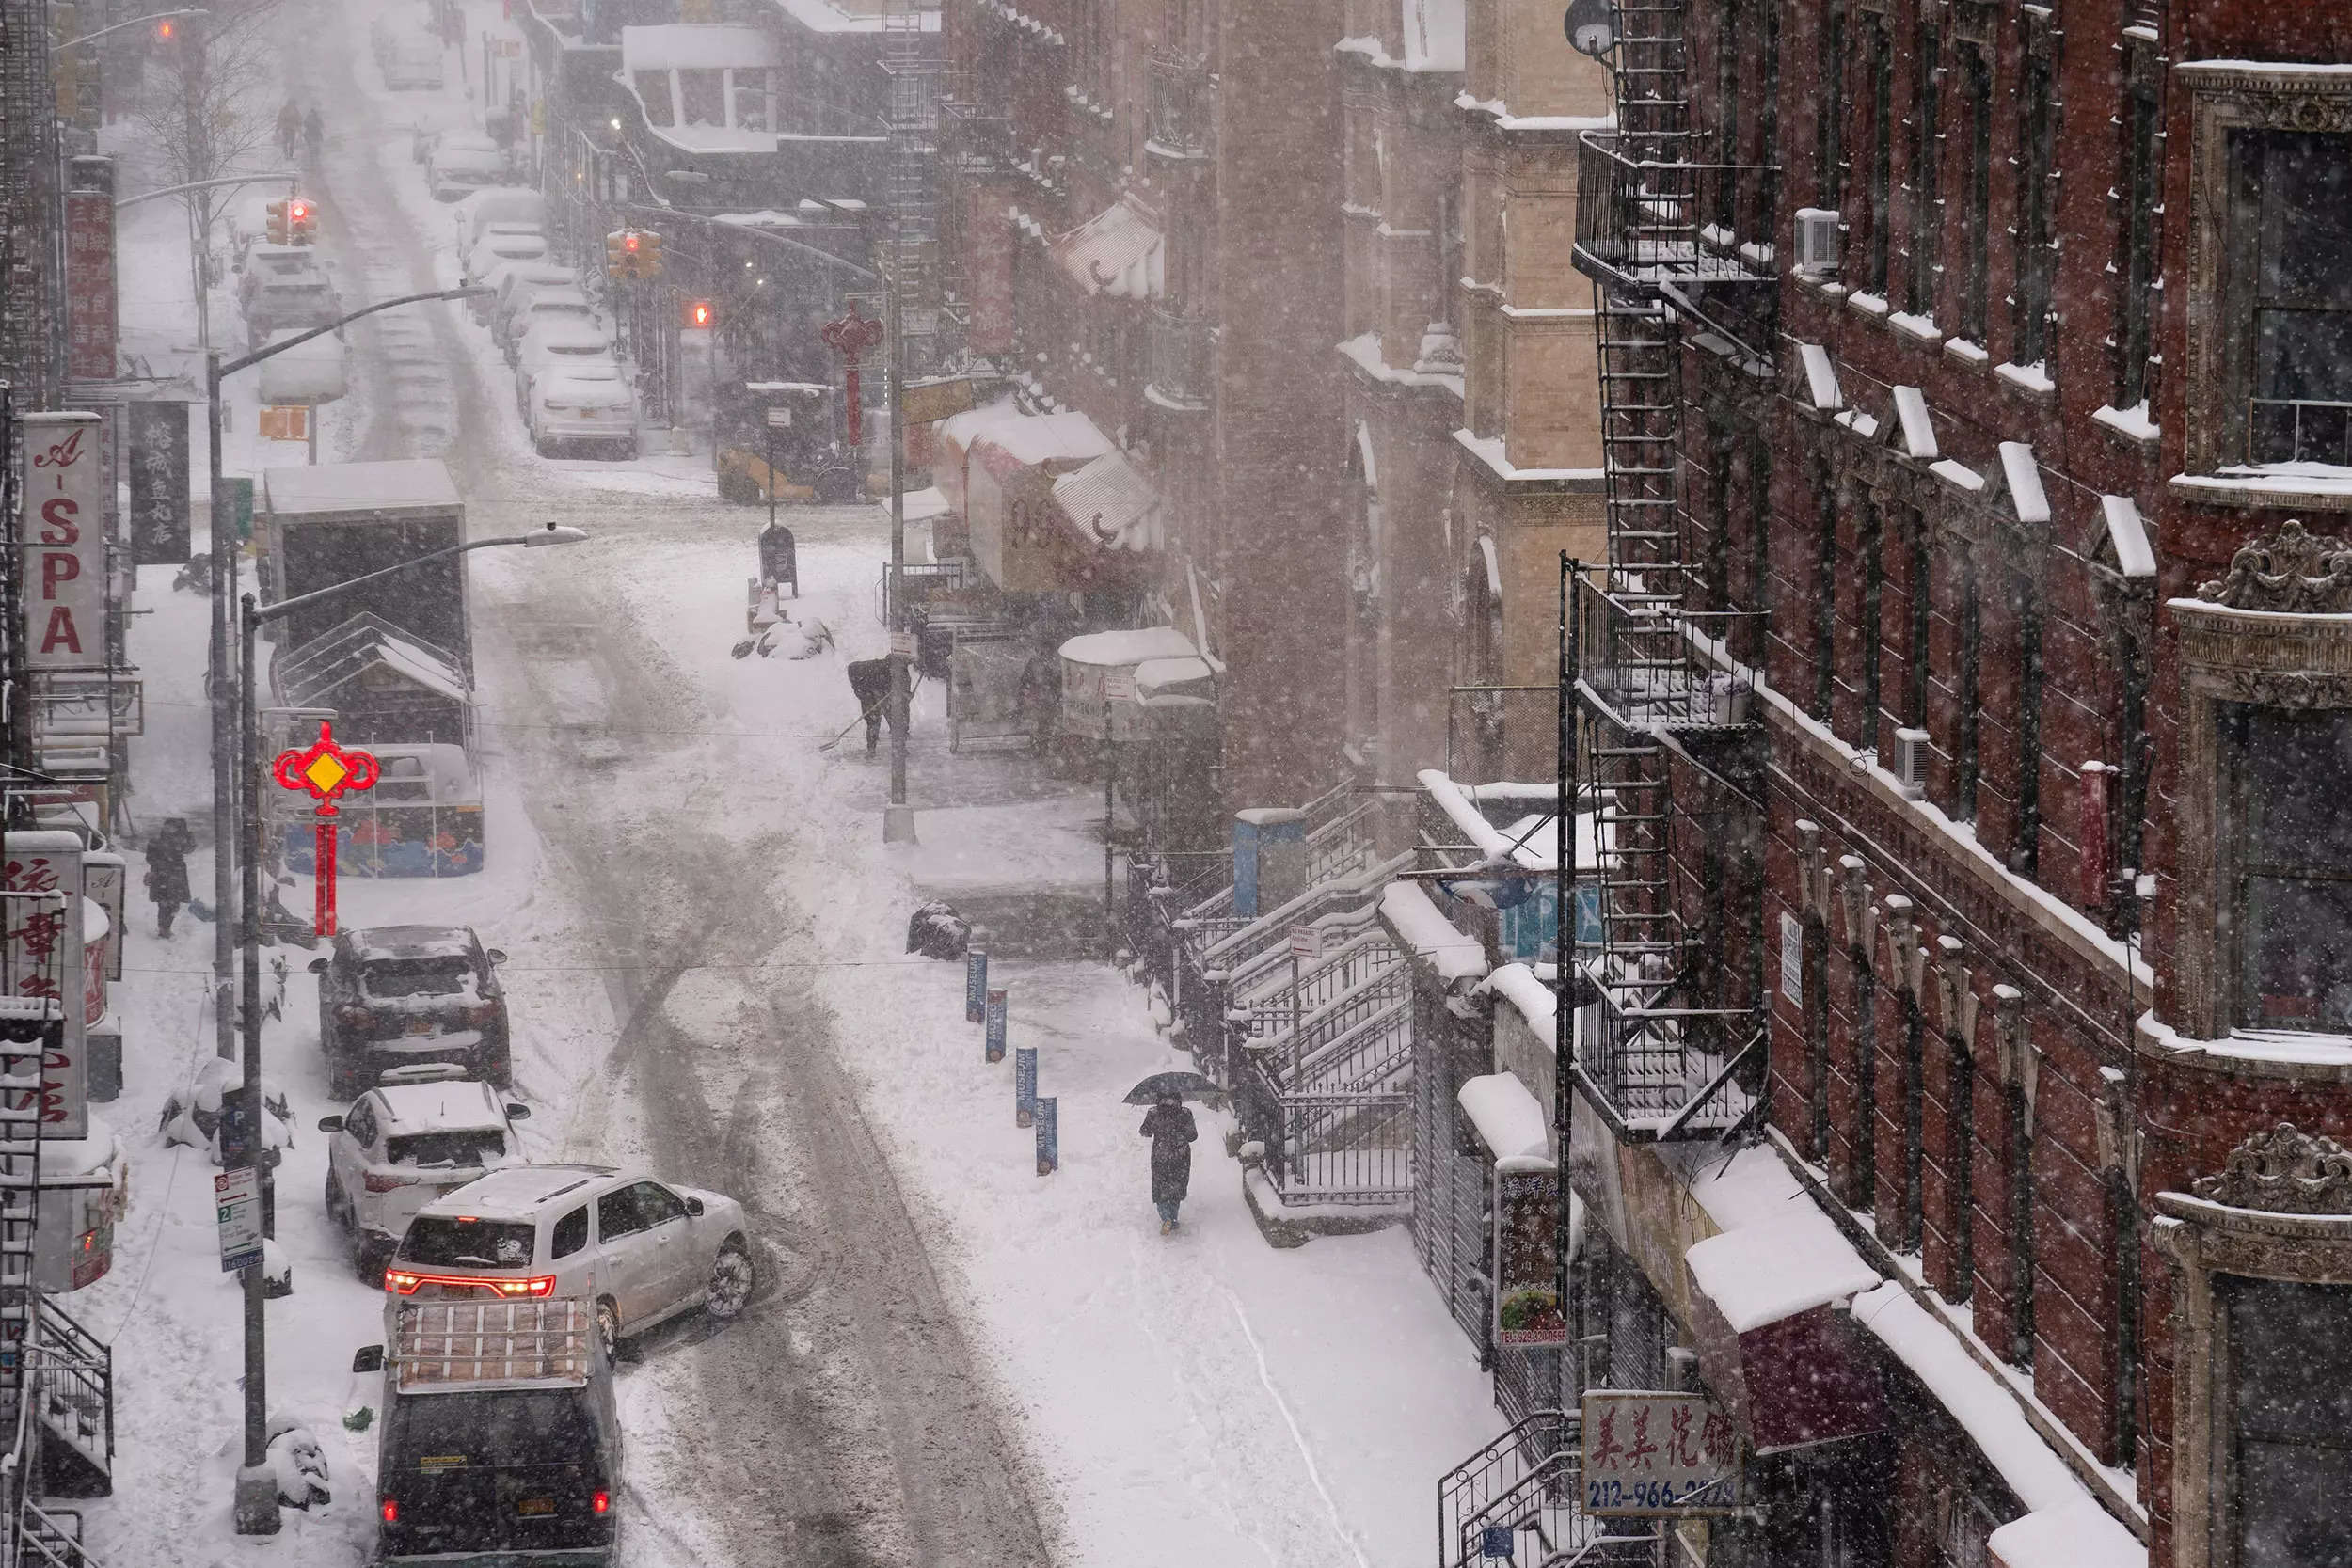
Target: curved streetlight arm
point(260, 613)
point(259, 355)
point(135, 22)
point(292, 178)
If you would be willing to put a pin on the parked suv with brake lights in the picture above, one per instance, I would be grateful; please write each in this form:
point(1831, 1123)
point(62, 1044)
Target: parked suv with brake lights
point(642, 1251)
point(426, 1131)
point(396, 995)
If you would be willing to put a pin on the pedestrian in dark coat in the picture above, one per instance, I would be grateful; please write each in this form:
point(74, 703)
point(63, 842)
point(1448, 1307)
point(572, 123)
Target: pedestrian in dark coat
point(869, 683)
point(1170, 1128)
point(167, 870)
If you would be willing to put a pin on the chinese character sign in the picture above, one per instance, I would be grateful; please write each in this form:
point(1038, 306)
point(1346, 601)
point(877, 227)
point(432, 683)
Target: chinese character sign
point(1527, 1278)
point(65, 544)
point(40, 959)
point(1656, 1454)
point(89, 285)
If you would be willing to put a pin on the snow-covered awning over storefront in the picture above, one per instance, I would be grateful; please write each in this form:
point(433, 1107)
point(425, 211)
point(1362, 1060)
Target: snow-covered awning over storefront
point(1108, 503)
point(1163, 677)
point(1112, 649)
point(1118, 252)
point(1089, 662)
point(1025, 440)
point(1510, 1122)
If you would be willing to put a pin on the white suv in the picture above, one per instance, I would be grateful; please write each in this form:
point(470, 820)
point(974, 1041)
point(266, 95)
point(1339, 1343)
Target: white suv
point(642, 1250)
point(426, 1130)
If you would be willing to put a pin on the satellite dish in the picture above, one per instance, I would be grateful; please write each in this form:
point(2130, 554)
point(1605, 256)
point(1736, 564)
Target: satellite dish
point(1591, 26)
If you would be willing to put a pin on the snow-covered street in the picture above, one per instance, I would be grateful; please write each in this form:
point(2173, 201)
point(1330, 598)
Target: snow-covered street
point(951, 1360)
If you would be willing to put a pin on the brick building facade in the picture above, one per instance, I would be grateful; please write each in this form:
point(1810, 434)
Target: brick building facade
point(1979, 679)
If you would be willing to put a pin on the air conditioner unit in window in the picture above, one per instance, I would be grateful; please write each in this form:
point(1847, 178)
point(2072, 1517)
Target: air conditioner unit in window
point(1910, 762)
point(1817, 241)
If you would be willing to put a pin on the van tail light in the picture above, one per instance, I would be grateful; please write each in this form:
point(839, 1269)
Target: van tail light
point(389, 1509)
point(484, 1016)
point(355, 1018)
point(601, 1502)
point(388, 1182)
point(402, 1282)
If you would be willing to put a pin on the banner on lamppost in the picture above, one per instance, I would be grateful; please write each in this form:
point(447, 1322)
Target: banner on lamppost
point(1048, 1111)
point(158, 456)
point(974, 979)
point(65, 543)
point(1023, 1083)
point(90, 315)
point(995, 1026)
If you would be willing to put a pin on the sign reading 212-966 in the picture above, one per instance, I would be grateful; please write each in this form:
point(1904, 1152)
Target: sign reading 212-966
point(1654, 1452)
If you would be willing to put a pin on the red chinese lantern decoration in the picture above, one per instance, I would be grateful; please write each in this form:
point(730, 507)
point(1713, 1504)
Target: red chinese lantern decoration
point(326, 772)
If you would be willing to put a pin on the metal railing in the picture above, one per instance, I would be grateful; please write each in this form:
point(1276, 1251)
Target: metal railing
point(1644, 222)
point(1178, 116)
point(1650, 665)
point(73, 1380)
point(2299, 430)
point(1525, 1482)
point(1320, 1054)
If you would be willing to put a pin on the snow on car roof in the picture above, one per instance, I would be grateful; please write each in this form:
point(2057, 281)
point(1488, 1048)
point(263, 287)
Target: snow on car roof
point(460, 1106)
point(413, 941)
point(519, 1191)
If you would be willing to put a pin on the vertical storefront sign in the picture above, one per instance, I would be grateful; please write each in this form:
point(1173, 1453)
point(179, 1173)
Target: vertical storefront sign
point(158, 453)
point(89, 280)
point(40, 957)
point(65, 544)
point(1528, 1310)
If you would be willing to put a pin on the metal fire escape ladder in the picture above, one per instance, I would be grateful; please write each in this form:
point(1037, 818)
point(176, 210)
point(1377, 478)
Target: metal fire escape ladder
point(911, 60)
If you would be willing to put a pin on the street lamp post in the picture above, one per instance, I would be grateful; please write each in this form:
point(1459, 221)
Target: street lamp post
point(224, 779)
point(257, 1485)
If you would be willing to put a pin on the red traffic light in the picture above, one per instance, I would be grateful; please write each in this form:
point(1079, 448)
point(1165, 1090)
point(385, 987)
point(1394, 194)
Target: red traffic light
point(164, 30)
point(298, 211)
point(628, 241)
point(698, 313)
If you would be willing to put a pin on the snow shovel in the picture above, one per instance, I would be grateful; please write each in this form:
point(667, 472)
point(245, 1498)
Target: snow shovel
point(829, 745)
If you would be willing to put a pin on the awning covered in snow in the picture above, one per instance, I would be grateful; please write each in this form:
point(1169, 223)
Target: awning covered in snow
point(1510, 1120)
point(1119, 252)
point(1108, 503)
point(1094, 667)
point(1784, 1362)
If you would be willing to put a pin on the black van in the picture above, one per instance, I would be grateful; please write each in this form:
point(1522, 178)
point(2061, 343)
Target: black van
point(501, 1446)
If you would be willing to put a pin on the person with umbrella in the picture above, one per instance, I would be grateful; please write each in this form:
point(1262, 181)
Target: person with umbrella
point(167, 870)
point(1170, 1128)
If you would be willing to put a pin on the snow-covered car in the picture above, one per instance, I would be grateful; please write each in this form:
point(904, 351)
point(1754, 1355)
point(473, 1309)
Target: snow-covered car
point(265, 263)
point(559, 347)
point(589, 405)
point(517, 282)
point(553, 302)
point(499, 244)
point(423, 1132)
point(452, 173)
point(276, 299)
point(497, 204)
point(643, 1251)
point(396, 996)
point(410, 61)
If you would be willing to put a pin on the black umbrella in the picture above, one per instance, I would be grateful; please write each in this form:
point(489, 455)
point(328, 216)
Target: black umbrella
point(1183, 1086)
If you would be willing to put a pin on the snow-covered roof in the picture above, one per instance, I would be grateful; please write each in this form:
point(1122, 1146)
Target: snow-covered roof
point(1436, 35)
point(2079, 1535)
point(696, 46)
point(1532, 998)
point(1156, 677)
point(854, 16)
point(1119, 252)
point(1027, 438)
point(1761, 1274)
point(1433, 939)
point(1109, 501)
point(518, 1191)
point(330, 487)
point(1112, 649)
point(311, 372)
point(1510, 1121)
point(411, 941)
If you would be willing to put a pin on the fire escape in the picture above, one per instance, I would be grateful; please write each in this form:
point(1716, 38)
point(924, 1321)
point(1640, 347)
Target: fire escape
point(1672, 1039)
point(911, 60)
point(32, 355)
